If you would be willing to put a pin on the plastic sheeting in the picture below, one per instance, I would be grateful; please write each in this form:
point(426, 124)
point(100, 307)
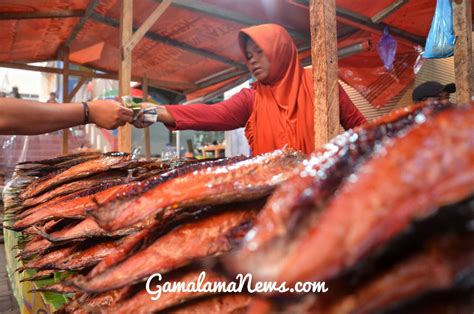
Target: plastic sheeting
point(366, 73)
point(15, 148)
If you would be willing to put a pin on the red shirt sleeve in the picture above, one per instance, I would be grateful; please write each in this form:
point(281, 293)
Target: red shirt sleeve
point(226, 115)
point(349, 115)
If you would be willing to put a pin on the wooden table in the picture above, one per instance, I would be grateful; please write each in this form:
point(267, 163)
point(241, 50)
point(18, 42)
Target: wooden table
point(214, 149)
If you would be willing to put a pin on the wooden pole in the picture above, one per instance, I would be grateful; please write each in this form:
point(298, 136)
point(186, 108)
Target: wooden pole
point(40, 15)
point(65, 142)
point(140, 33)
point(125, 70)
point(147, 129)
point(462, 15)
point(169, 86)
point(325, 76)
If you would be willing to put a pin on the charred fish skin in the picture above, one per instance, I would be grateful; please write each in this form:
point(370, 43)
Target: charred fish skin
point(225, 303)
point(60, 159)
point(459, 301)
point(295, 204)
point(95, 303)
point(40, 275)
point(95, 180)
point(382, 211)
point(203, 238)
point(85, 187)
point(129, 245)
point(452, 219)
point(147, 232)
point(242, 181)
point(59, 199)
point(44, 262)
point(73, 208)
point(34, 247)
point(444, 263)
point(87, 229)
point(45, 170)
point(86, 257)
point(56, 288)
point(82, 170)
point(146, 185)
point(142, 302)
point(120, 203)
point(41, 168)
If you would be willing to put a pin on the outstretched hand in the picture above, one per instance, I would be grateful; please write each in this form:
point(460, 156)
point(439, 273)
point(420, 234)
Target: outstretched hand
point(109, 114)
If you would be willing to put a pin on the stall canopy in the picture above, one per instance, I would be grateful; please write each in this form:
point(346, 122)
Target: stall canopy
point(192, 49)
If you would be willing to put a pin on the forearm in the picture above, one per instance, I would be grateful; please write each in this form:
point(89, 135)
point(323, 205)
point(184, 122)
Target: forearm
point(226, 115)
point(350, 115)
point(165, 116)
point(25, 117)
point(222, 116)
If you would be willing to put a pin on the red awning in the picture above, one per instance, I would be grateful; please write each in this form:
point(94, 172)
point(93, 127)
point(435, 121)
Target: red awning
point(193, 49)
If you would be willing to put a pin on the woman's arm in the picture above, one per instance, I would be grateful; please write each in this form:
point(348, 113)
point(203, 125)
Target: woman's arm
point(164, 116)
point(226, 115)
point(23, 117)
point(349, 115)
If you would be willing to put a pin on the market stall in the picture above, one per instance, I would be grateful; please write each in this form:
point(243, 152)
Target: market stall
point(197, 60)
point(100, 230)
point(90, 229)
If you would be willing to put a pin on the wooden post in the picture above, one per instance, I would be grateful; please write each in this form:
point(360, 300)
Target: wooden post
point(462, 15)
point(325, 76)
point(65, 142)
point(145, 27)
point(147, 129)
point(125, 70)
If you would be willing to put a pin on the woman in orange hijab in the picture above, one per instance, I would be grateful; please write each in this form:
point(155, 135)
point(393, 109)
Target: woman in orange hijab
point(276, 111)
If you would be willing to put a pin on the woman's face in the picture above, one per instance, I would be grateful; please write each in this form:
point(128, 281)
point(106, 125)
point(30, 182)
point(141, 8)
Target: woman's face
point(257, 62)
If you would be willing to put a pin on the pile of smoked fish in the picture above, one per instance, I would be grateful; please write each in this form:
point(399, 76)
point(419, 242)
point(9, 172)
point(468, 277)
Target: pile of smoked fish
point(382, 214)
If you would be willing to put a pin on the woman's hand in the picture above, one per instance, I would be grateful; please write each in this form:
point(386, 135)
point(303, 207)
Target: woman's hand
point(139, 120)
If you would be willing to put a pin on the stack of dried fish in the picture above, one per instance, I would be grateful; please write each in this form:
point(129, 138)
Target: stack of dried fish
point(382, 214)
point(117, 232)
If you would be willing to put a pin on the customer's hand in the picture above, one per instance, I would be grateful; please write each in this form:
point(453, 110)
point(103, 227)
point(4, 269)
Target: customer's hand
point(109, 114)
point(139, 120)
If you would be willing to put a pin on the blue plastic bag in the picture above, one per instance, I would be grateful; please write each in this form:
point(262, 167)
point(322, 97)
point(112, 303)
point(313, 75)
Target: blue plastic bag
point(386, 49)
point(440, 42)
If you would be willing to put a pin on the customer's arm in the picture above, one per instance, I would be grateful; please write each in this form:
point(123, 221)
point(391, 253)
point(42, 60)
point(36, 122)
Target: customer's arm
point(23, 117)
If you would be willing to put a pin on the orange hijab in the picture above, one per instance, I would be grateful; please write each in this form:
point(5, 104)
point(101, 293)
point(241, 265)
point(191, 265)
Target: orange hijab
point(283, 106)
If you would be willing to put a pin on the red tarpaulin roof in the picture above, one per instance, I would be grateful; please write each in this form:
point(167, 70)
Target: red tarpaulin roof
point(193, 46)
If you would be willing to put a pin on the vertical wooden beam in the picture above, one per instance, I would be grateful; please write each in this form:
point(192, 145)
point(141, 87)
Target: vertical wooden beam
point(147, 129)
point(65, 142)
point(125, 70)
point(325, 76)
point(462, 15)
point(140, 33)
